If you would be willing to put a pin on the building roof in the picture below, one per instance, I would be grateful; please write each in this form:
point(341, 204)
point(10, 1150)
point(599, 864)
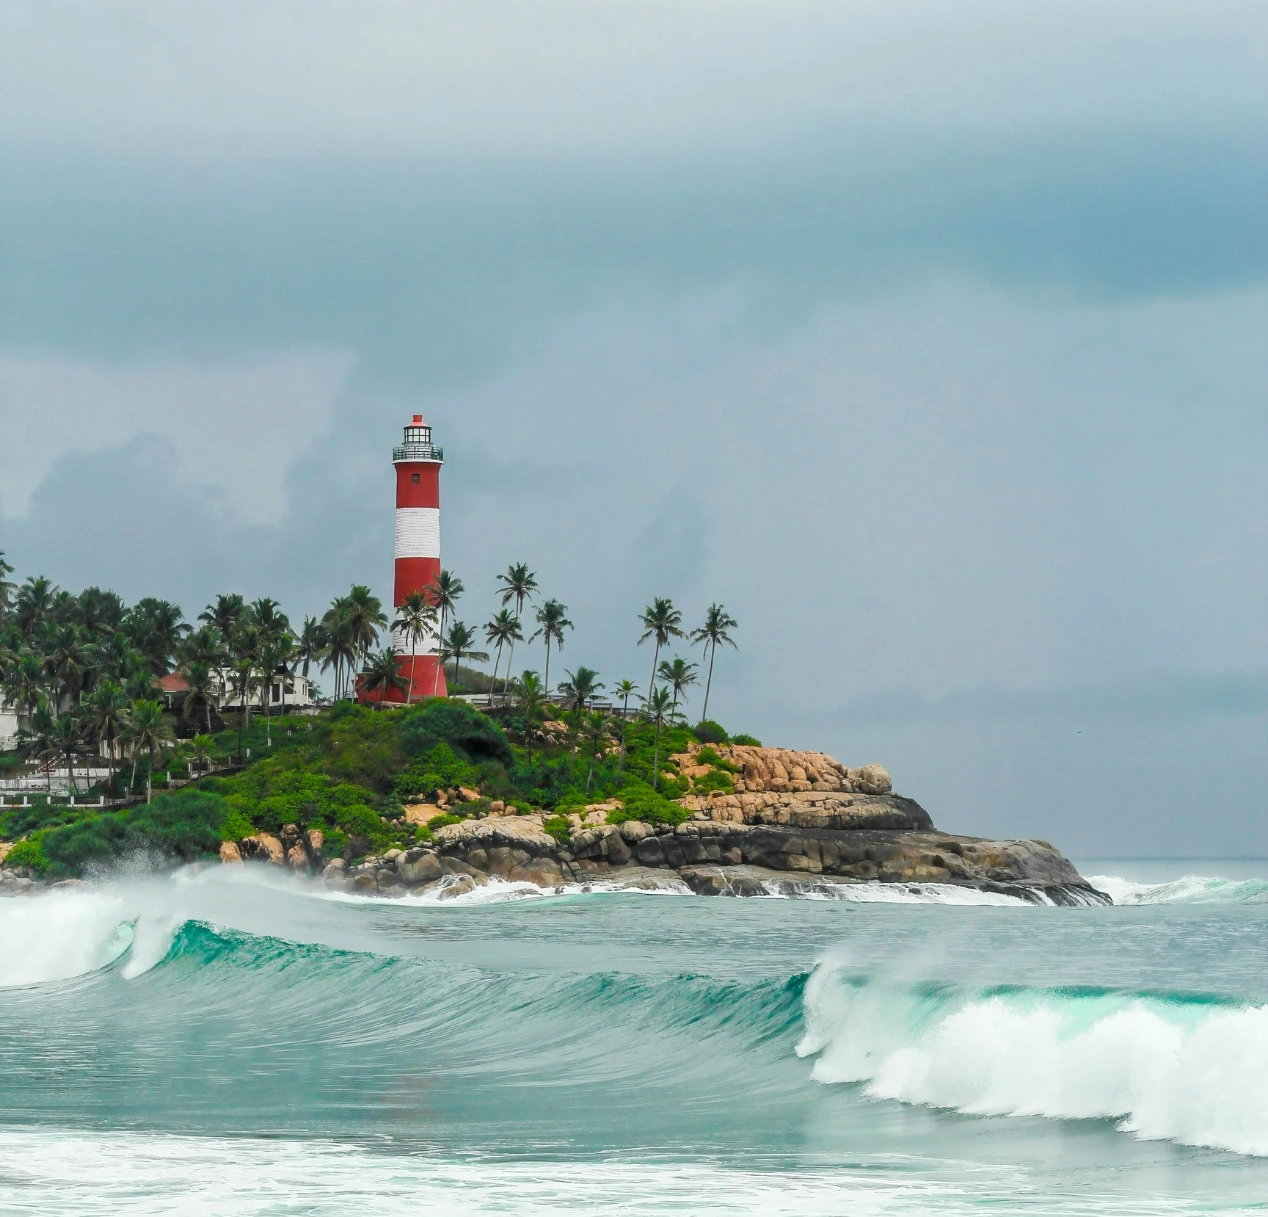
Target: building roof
point(173, 682)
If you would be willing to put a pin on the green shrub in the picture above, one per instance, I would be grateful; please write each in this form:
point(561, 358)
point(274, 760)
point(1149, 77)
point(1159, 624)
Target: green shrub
point(715, 779)
point(236, 826)
point(709, 732)
point(557, 827)
point(750, 741)
point(708, 756)
point(442, 820)
point(30, 853)
point(439, 769)
point(469, 733)
point(641, 802)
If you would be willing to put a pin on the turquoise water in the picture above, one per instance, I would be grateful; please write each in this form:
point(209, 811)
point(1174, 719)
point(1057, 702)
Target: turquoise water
point(223, 1042)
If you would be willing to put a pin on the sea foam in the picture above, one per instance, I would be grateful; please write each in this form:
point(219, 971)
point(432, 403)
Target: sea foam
point(1191, 1071)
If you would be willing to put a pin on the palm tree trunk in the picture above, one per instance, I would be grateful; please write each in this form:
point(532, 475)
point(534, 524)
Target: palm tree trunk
point(435, 684)
point(510, 661)
point(708, 684)
point(149, 785)
point(656, 758)
point(625, 715)
point(493, 681)
point(547, 668)
point(651, 687)
point(413, 659)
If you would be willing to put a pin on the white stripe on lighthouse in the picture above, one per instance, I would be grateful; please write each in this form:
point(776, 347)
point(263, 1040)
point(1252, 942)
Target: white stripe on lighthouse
point(418, 532)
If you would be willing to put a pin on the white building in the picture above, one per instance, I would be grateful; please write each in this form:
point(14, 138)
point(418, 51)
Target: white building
point(8, 727)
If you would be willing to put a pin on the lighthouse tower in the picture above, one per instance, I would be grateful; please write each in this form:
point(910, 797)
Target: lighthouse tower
point(417, 461)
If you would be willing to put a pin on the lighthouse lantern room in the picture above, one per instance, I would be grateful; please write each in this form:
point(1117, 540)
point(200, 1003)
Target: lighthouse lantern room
point(417, 461)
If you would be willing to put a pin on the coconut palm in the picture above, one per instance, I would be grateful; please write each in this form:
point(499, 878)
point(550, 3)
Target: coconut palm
point(365, 617)
point(202, 752)
point(107, 717)
point(657, 709)
point(518, 584)
point(37, 738)
point(625, 689)
point(24, 689)
point(532, 699)
point(148, 727)
point(415, 619)
point(381, 674)
point(156, 628)
point(596, 728)
point(717, 624)
point(6, 587)
point(443, 594)
point(201, 693)
point(502, 628)
point(311, 644)
point(340, 650)
point(225, 614)
point(33, 604)
point(205, 645)
point(68, 735)
point(458, 647)
point(552, 620)
point(245, 681)
point(661, 621)
point(580, 686)
point(679, 676)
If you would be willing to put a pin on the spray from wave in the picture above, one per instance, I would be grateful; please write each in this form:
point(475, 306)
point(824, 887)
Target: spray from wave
point(1166, 1067)
point(1191, 889)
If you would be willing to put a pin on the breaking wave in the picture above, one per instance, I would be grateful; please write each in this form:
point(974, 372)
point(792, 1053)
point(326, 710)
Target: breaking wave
point(1191, 889)
point(1165, 1066)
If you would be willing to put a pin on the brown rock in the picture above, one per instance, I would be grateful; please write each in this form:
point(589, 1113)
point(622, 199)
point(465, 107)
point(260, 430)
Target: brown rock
point(229, 852)
point(297, 858)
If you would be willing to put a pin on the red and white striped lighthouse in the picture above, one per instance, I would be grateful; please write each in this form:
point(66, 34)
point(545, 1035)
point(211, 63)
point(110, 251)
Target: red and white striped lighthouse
point(417, 463)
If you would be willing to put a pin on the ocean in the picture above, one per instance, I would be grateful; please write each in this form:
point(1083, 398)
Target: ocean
point(224, 1041)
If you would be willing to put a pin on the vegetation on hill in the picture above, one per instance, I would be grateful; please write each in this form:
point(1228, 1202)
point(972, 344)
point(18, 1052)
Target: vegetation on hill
point(81, 672)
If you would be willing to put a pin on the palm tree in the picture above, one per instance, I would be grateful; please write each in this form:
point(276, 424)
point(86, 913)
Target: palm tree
point(657, 709)
point(156, 628)
point(678, 675)
point(340, 649)
point(67, 734)
point(625, 689)
point(38, 738)
point(226, 614)
point(107, 718)
point(201, 692)
point(415, 618)
point(244, 684)
point(148, 728)
point(503, 628)
point(24, 689)
point(532, 698)
point(365, 617)
point(33, 603)
point(596, 725)
point(717, 623)
point(443, 593)
point(660, 620)
point(458, 647)
point(206, 645)
point(202, 752)
point(68, 663)
point(552, 620)
point(580, 686)
point(518, 584)
point(381, 676)
point(311, 644)
point(6, 588)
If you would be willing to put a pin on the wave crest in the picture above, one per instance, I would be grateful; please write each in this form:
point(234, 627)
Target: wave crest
point(1180, 1068)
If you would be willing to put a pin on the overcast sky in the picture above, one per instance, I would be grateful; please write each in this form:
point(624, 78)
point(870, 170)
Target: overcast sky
point(927, 337)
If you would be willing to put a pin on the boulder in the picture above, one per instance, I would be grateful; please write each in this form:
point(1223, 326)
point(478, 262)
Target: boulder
point(417, 866)
point(634, 831)
point(229, 852)
point(420, 813)
point(297, 858)
point(314, 839)
point(871, 779)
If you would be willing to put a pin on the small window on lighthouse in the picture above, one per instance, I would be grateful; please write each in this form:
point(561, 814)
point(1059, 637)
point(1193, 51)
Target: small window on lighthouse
point(414, 479)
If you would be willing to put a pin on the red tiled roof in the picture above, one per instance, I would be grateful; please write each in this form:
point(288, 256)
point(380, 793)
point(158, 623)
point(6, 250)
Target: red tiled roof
point(173, 682)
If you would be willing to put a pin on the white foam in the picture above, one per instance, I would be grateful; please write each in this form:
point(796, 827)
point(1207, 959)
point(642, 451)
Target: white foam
point(62, 1173)
point(60, 934)
point(1190, 889)
point(1188, 1073)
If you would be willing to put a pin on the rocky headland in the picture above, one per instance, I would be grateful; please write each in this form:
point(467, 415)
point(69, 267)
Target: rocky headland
point(781, 822)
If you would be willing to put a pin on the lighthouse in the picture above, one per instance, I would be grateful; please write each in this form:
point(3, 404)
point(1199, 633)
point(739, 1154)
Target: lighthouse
point(417, 462)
